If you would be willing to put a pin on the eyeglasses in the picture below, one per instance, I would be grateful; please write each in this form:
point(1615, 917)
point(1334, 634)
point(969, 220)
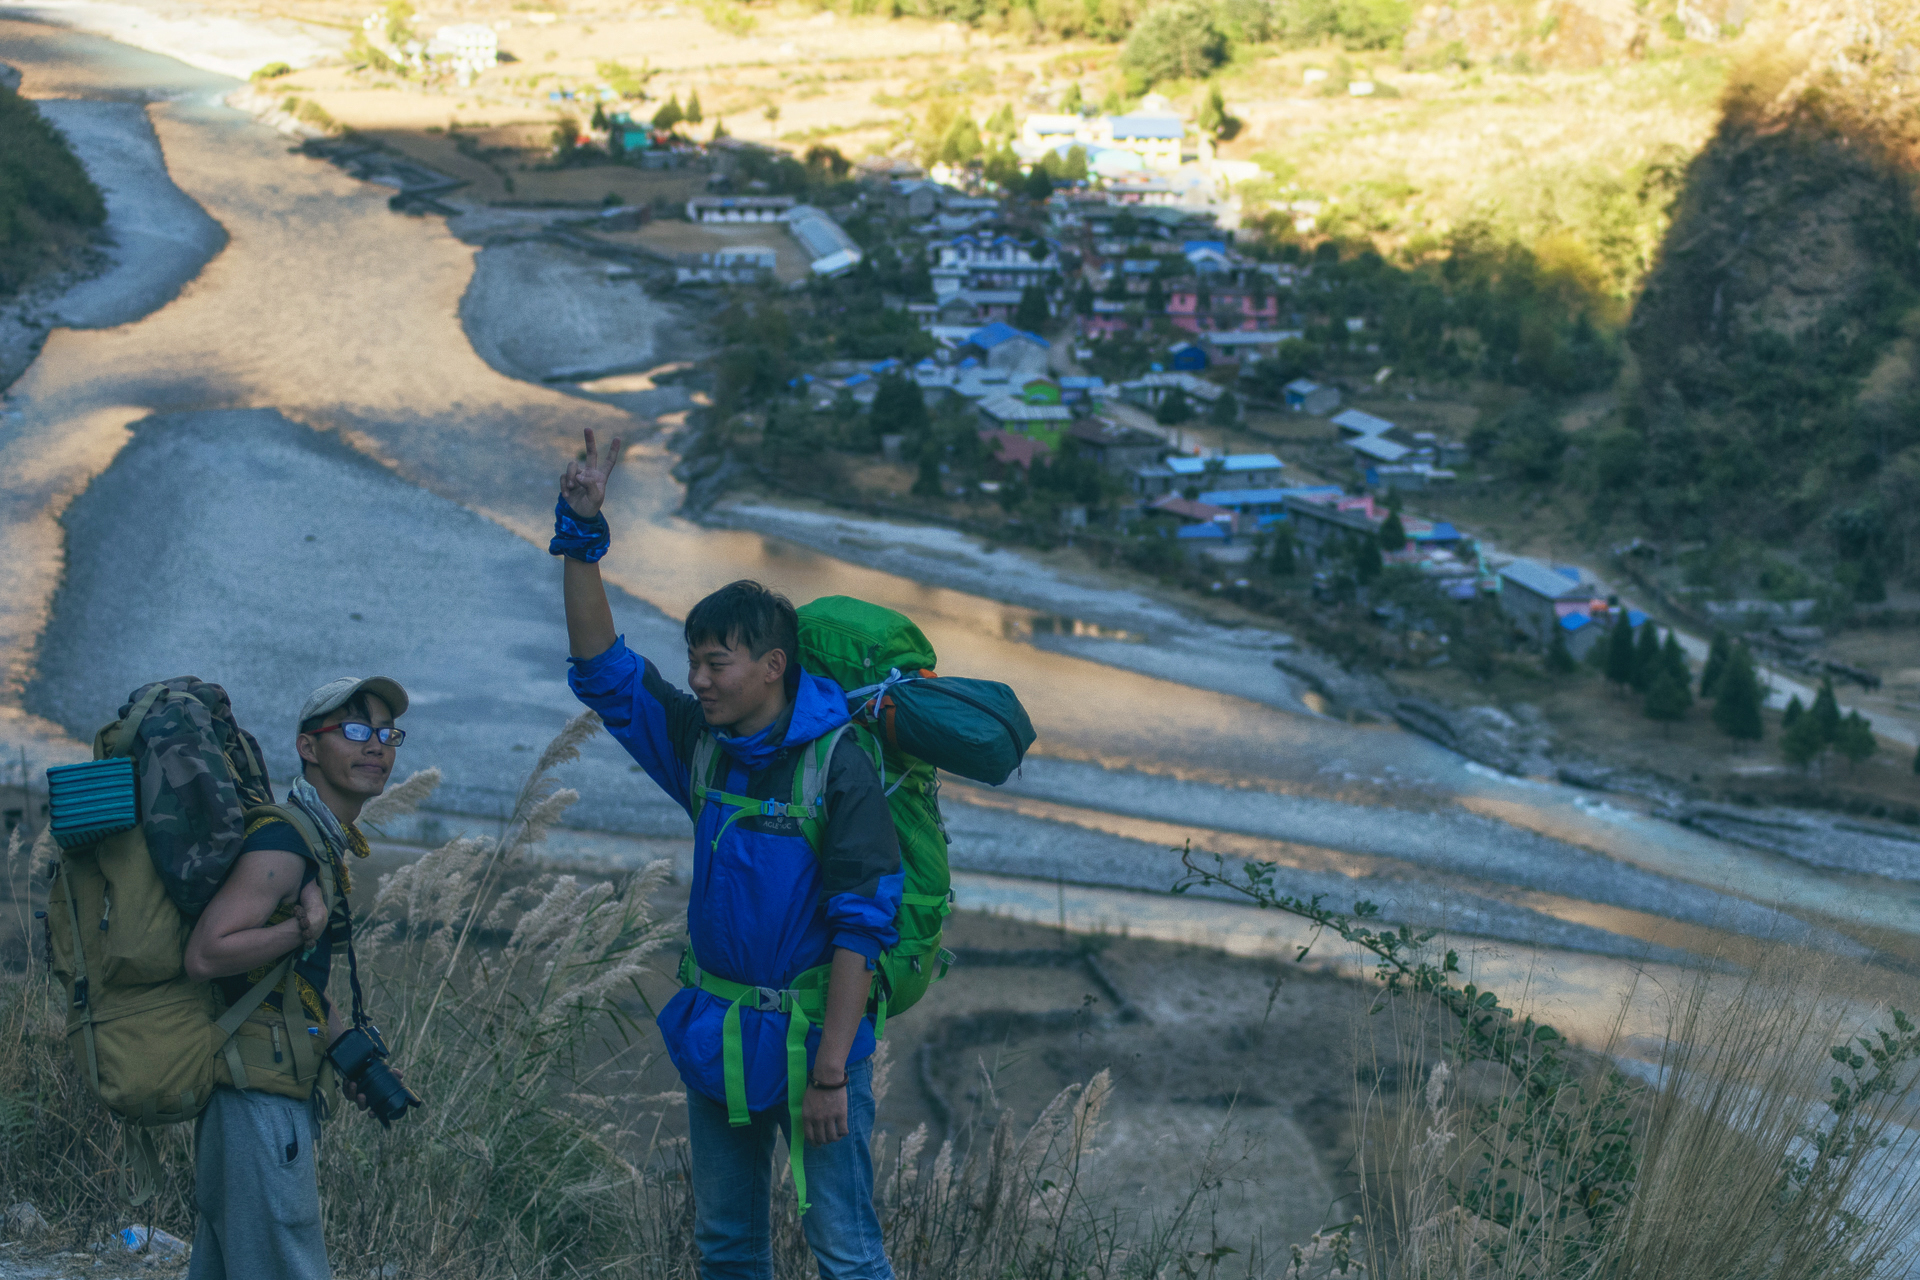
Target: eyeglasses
point(357, 732)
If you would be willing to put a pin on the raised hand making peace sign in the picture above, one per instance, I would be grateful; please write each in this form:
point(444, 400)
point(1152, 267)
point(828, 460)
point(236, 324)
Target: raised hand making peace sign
point(584, 483)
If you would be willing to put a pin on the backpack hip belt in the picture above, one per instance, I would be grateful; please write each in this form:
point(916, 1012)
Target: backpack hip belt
point(805, 1006)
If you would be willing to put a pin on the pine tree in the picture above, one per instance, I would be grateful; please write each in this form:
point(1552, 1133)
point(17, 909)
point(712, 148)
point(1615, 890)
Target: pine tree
point(1225, 411)
point(1716, 663)
point(1032, 314)
point(1156, 296)
point(927, 483)
point(1646, 657)
point(1212, 117)
point(1736, 707)
point(1854, 738)
point(1791, 716)
point(1872, 586)
point(1281, 565)
point(1366, 560)
point(1620, 651)
point(1673, 660)
point(1173, 408)
point(670, 115)
point(1826, 712)
point(1667, 699)
point(899, 406)
point(1801, 744)
point(693, 107)
point(1395, 503)
point(1393, 534)
point(1560, 658)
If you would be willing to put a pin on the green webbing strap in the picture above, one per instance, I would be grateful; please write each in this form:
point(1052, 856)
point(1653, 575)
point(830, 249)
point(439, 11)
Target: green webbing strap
point(230, 1020)
point(82, 998)
point(792, 1002)
point(122, 743)
point(143, 1163)
point(704, 771)
point(797, 1026)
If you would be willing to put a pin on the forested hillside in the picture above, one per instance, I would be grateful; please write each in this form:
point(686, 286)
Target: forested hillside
point(1776, 395)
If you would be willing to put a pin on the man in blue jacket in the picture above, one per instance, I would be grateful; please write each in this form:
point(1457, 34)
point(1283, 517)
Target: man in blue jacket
point(766, 908)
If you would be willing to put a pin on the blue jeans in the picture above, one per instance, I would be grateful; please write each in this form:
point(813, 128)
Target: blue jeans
point(733, 1185)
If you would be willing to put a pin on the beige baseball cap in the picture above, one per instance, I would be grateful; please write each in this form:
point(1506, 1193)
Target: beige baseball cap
point(337, 693)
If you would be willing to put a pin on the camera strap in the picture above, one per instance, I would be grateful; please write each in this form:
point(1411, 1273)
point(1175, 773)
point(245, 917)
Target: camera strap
point(353, 961)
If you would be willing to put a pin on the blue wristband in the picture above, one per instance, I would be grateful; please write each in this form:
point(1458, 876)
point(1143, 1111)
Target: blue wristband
point(575, 538)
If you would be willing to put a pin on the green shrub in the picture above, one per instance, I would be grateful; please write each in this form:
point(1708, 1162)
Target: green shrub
point(46, 197)
point(1175, 41)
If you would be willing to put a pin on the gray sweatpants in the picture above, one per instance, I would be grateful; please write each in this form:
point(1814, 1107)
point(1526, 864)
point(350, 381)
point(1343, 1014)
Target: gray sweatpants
point(257, 1190)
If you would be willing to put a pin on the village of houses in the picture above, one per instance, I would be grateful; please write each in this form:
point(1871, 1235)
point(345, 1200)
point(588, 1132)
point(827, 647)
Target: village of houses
point(1142, 250)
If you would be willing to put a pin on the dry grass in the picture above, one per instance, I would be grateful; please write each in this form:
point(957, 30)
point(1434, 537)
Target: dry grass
point(508, 1003)
point(510, 1009)
point(1742, 1165)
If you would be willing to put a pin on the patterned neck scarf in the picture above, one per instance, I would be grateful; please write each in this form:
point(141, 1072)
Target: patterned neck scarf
point(339, 838)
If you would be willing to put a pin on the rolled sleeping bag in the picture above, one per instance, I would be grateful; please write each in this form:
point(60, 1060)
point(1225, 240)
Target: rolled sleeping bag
point(974, 728)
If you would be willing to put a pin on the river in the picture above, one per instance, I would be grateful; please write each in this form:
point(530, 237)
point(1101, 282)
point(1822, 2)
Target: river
point(299, 466)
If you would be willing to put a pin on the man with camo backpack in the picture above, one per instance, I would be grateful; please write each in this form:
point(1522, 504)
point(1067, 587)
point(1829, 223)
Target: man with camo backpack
point(255, 1174)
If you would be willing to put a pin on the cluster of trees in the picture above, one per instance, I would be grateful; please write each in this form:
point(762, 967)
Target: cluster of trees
point(1743, 427)
point(1807, 733)
point(46, 198)
point(1357, 24)
point(1660, 675)
point(1189, 39)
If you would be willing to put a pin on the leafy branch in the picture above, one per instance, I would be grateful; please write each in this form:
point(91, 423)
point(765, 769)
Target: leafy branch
point(1557, 1149)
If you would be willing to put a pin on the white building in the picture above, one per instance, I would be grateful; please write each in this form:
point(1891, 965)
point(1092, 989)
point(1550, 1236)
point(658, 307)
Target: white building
point(739, 208)
point(829, 249)
point(743, 264)
point(470, 47)
point(1154, 135)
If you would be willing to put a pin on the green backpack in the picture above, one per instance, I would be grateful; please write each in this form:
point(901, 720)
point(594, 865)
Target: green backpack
point(858, 645)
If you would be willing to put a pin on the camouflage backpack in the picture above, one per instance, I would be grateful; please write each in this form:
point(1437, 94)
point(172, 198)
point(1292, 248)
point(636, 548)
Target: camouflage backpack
point(150, 1041)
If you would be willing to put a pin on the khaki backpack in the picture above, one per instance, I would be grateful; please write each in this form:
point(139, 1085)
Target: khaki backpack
point(150, 1041)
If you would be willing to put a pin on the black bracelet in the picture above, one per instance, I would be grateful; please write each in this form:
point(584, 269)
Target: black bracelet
point(827, 1088)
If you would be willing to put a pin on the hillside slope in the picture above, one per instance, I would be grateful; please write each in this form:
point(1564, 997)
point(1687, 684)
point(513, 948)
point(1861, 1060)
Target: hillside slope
point(47, 202)
point(1777, 395)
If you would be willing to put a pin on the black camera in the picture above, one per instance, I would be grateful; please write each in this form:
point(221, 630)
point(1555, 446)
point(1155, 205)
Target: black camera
point(360, 1055)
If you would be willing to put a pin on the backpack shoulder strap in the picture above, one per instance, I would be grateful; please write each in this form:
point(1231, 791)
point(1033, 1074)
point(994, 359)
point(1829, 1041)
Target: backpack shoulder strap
point(701, 770)
point(310, 835)
point(121, 742)
point(810, 781)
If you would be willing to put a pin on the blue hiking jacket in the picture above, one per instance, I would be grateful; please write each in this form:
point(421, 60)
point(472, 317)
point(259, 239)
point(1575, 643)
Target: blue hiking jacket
point(764, 907)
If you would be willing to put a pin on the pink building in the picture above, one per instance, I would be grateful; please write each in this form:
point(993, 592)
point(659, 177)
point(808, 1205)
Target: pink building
point(1217, 310)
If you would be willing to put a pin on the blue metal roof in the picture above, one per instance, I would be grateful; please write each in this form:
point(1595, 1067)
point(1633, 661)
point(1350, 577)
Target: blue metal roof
point(1206, 529)
point(1228, 465)
point(1245, 497)
point(992, 335)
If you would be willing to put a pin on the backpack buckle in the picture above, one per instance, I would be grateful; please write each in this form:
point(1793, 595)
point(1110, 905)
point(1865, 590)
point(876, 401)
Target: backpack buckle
point(771, 999)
